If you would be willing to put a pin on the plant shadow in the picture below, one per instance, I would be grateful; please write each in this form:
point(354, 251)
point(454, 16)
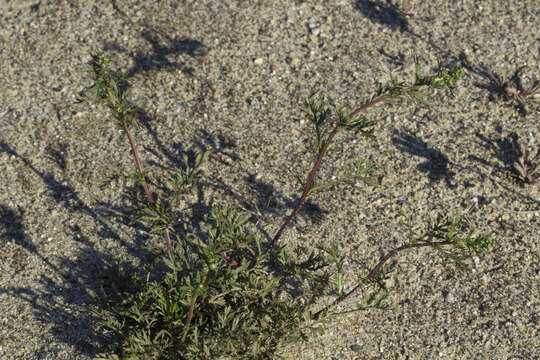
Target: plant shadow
point(58, 153)
point(436, 164)
point(497, 85)
point(266, 199)
point(394, 18)
point(14, 231)
point(164, 47)
point(58, 191)
point(504, 149)
point(386, 14)
point(63, 291)
point(271, 201)
point(215, 142)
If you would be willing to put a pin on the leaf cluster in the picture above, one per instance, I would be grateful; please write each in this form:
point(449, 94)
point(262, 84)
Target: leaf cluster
point(527, 166)
point(111, 88)
point(444, 78)
point(449, 238)
point(509, 87)
point(159, 216)
point(187, 176)
point(317, 113)
point(242, 302)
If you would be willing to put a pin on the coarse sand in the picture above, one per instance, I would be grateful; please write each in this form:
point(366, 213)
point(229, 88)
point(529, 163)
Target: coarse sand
point(230, 76)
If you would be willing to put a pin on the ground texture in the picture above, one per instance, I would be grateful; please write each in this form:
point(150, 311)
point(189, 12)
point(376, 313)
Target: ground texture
point(230, 76)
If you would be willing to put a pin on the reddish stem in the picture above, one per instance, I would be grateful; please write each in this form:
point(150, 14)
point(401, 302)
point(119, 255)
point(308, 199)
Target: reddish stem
point(317, 164)
point(378, 267)
point(307, 187)
point(144, 184)
point(139, 167)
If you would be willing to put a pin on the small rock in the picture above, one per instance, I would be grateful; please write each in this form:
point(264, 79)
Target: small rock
point(295, 61)
point(258, 61)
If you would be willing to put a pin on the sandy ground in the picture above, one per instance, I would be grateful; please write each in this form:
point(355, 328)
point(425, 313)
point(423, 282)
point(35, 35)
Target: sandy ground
point(230, 76)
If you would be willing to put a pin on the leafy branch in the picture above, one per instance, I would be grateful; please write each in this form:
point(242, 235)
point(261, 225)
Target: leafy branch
point(110, 87)
point(318, 114)
point(187, 176)
point(443, 234)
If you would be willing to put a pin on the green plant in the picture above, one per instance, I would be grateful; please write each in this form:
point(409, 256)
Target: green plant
point(318, 114)
point(188, 176)
point(447, 235)
point(111, 88)
point(527, 165)
point(509, 87)
point(208, 306)
point(224, 294)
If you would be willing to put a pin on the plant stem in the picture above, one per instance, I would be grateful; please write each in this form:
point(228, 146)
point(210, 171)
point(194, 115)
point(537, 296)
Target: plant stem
point(144, 184)
point(121, 116)
point(307, 187)
point(378, 267)
point(139, 167)
point(189, 317)
point(318, 162)
point(191, 309)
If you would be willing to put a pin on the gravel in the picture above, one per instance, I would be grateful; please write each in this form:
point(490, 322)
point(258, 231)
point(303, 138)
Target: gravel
point(230, 76)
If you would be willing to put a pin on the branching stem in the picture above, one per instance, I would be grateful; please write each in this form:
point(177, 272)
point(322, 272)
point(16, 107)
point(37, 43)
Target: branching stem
point(191, 309)
point(144, 184)
point(378, 268)
point(139, 167)
point(307, 187)
point(318, 162)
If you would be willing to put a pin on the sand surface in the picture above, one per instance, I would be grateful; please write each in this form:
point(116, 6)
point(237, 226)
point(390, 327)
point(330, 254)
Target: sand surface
point(230, 77)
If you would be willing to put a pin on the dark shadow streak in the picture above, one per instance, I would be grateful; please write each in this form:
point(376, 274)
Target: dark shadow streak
point(90, 270)
point(62, 194)
point(58, 154)
point(505, 149)
point(86, 270)
point(436, 164)
point(269, 201)
point(385, 14)
point(391, 16)
point(14, 231)
point(163, 46)
point(218, 143)
point(157, 59)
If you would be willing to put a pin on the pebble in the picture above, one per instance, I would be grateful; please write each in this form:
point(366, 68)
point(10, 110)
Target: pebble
point(258, 61)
